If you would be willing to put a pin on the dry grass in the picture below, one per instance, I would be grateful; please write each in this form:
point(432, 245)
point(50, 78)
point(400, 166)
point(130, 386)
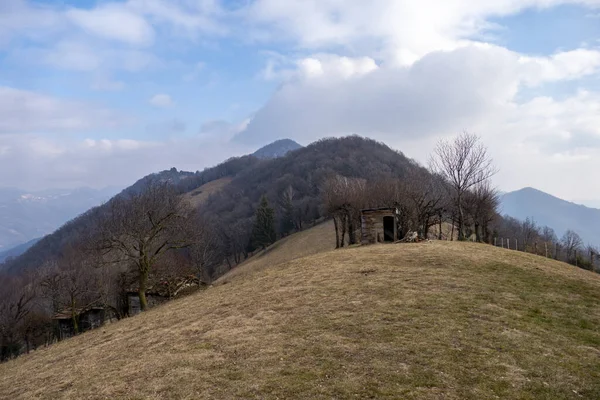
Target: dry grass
point(422, 321)
point(318, 239)
point(198, 196)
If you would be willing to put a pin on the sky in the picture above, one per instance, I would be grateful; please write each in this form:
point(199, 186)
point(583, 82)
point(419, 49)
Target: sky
point(101, 93)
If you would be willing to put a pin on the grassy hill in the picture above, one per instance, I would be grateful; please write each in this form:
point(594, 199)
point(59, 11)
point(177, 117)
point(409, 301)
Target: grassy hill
point(424, 321)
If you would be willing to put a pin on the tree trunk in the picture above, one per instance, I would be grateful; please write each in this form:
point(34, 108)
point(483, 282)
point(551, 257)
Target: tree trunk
point(142, 288)
point(74, 317)
point(440, 226)
point(461, 219)
point(351, 232)
point(337, 233)
point(343, 231)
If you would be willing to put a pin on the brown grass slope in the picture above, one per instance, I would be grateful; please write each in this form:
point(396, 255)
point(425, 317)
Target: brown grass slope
point(418, 321)
point(318, 239)
point(198, 196)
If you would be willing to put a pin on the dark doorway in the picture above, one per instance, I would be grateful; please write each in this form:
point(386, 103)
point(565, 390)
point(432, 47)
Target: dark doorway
point(388, 229)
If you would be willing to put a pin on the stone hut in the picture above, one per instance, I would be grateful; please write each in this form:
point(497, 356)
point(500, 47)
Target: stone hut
point(379, 225)
point(87, 318)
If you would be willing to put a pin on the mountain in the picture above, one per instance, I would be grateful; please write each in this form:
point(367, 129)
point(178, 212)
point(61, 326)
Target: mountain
point(27, 215)
point(242, 182)
point(435, 320)
point(276, 149)
point(17, 250)
point(556, 213)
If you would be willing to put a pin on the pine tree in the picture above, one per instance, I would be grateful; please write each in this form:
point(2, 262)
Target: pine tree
point(263, 233)
point(287, 222)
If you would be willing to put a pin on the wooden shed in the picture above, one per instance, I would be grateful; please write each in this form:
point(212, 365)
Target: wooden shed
point(379, 225)
point(87, 318)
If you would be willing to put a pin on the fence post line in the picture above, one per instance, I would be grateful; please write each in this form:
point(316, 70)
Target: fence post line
point(516, 245)
point(495, 242)
point(508, 243)
point(546, 247)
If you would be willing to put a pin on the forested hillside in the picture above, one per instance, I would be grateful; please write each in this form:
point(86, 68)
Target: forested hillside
point(301, 171)
point(158, 235)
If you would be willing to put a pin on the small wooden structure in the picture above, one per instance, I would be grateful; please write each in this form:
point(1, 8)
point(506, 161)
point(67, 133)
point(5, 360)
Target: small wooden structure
point(379, 225)
point(161, 291)
point(87, 318)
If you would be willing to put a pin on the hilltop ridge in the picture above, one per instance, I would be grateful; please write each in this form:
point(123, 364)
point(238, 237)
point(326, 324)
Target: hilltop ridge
point(422, 321)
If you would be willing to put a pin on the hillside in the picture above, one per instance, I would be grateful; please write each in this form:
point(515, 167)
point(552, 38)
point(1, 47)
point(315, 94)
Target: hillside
point(17, 250)
point(230, 191)
point(422, 321)
point(548, 210)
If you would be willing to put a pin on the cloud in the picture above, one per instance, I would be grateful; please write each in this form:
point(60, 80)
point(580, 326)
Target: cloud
point(161, 101)
point(170, 127)
point(395, 31)
point(114, 22)
point(473, 87)
point(24, 111)
point(41, 162)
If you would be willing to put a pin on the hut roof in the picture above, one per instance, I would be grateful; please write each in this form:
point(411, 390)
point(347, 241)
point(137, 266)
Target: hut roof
point(390, 209)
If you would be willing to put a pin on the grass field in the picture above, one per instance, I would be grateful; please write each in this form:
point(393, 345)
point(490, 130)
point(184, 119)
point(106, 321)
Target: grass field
point(438, 320)
point(198, 196)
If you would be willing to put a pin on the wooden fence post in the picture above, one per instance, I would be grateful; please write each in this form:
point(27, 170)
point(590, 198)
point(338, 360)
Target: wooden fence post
point(576, 258)
point(516, 245)
point(508, 243)
point(495, 242)
point(546, 247)
point(535, 247)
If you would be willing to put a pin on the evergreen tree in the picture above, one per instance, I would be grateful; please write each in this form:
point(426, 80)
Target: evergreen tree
point(263, 233)
point(287, 221)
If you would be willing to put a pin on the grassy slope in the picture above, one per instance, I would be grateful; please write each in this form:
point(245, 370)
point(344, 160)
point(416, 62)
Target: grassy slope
point(201, 194)
point(427, 321)
point(318, 239)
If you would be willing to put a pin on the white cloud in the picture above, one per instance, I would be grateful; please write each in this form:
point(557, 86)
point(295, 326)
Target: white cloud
point(115, 22)
point(397, 31)
point(473, 88)
point(161, 101)
point(25, 111)
point(34, 162)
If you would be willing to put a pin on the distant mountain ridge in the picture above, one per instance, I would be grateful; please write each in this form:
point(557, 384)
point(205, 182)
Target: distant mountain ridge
point(25, 215)
point(277, 149)
point(17, 250)
point(556, 213)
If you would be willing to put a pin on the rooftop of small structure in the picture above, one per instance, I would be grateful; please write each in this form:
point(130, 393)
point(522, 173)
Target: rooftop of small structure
point(390, 209)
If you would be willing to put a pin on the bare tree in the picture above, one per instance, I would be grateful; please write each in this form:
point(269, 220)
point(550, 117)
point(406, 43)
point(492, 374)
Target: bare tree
point(141, 227)
point(464, 163)
point(425, 194)
point(571, 242)
point(16, 303)
point(206, 252)
point(343, 199)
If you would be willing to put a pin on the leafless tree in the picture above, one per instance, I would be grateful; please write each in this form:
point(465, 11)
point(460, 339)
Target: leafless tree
point(141, 227)
point(548, 235)
point(464, 163)
point(206, 252)
point(16, 304)
point(529, 232)
point(571, 242)
point(343, 198)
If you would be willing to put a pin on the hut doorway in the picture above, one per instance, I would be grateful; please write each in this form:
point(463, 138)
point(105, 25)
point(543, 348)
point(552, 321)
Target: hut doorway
point(388, 229)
